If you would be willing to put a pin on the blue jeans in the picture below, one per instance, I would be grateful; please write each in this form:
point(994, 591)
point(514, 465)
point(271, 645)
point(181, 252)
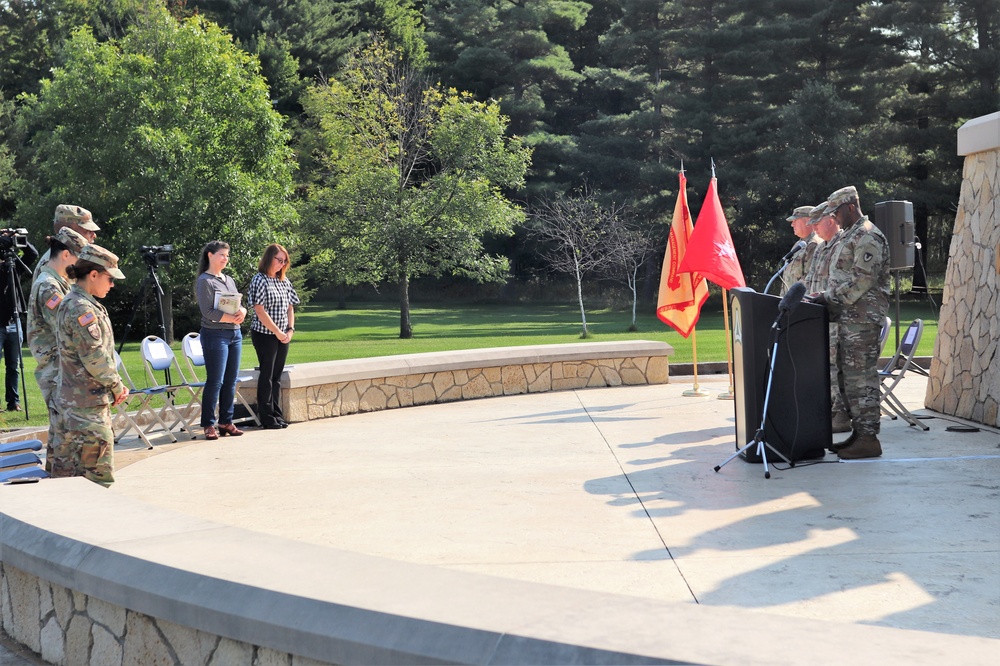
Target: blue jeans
point(222, 349)
point(9, 348)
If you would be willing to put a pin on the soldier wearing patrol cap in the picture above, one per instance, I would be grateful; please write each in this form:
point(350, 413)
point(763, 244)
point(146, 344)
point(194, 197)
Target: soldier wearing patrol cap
point(818, 278)
point(47, 293)
point(89, 384)
point(857, 297)
point(76, 218)
point(798, 265)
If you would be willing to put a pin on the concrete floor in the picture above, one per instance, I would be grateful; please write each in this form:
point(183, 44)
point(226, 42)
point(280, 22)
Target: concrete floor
point(614, 490)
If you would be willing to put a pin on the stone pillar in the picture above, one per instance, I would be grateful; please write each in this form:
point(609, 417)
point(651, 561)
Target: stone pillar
point(965, 371)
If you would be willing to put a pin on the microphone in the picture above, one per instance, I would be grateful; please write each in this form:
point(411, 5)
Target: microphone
point(795, 248)
point(792, 297)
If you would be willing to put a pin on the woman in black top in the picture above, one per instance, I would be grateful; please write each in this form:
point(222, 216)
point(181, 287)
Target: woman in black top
point(272, 297)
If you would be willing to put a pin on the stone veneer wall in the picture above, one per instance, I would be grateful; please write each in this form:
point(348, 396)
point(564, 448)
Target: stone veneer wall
point(965, 372)
point(401, 388)
point(68, 627)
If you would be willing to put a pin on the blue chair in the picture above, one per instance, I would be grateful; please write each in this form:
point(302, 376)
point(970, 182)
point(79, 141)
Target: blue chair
point(893, 372)
point(19, 460)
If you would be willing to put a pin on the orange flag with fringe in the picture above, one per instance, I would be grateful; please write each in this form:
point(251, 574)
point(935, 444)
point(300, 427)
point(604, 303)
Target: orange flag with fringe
point(681, 294)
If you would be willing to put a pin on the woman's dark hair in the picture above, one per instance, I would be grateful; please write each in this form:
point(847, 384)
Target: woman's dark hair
point(213, 247)
point(269, 254)
point(81, 269)
point(56, 246)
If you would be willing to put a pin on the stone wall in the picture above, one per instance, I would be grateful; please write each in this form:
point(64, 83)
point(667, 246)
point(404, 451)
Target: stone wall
point(367, 395)
point(64, 626)
point(965, 372)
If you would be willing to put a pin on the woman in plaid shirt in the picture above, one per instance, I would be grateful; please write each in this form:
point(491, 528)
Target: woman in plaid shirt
point(272, 297)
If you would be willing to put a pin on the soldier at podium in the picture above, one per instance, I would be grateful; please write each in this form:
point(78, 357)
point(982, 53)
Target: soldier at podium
point(798, 265)
point(857, 297)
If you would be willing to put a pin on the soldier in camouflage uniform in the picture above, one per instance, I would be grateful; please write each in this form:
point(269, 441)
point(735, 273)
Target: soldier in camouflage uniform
point(798, 265)
point(89, 383)
point(857, 296)
point(817, 280)
point(76, 218)
point(47, 293)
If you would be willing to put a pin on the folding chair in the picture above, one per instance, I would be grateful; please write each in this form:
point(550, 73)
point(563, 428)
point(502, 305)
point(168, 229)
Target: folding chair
point(195, 355)
point(138, 400)
point(895, 370)
point(157, 356)
point(19, 460)
point(883, 335)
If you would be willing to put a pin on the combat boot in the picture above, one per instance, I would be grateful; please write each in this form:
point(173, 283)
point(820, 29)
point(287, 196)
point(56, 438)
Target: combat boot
point(840, 446)
point(864, 446)
point(841, 423)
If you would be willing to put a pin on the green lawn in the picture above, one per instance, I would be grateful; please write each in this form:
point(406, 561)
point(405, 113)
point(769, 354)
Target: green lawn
point(324, 333)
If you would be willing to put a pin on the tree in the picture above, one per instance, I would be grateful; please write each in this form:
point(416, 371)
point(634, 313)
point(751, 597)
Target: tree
point(628, 245)
point(575, 231)
point(167, 135)
point(415, 177)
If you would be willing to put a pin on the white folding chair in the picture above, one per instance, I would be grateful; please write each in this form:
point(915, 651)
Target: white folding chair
point(895, 370)
point(157, 356)
point(195, 355)
point(138, 400)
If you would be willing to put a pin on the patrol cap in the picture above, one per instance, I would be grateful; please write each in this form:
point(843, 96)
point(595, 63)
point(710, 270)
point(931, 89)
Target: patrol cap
point(840, 197)
point(73, 240)
point(68, 214)
point(801, 211)
point(817, 213)
point(102, 257)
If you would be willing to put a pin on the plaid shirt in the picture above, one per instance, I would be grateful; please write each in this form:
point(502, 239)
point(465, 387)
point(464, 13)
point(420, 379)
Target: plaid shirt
point(275, 296)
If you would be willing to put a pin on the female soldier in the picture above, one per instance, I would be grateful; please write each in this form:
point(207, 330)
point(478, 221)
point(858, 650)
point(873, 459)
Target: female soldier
point(89, 383)
point(47, 293)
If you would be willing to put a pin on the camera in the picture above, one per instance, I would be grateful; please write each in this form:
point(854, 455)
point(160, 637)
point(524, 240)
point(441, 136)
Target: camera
point(13, 238)
point(156, 255)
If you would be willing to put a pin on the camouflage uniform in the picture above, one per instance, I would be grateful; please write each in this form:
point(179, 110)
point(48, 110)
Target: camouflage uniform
point(88, 384)
point(47, 293)
point(798, 266)
point(816, 281)
point(857, 297)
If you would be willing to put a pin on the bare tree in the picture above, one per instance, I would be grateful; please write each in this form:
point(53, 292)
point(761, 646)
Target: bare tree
point(574, 229)
point(628, 244)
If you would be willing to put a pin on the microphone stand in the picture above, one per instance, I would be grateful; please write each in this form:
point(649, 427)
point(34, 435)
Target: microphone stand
point(775, 276)
point(758, 438)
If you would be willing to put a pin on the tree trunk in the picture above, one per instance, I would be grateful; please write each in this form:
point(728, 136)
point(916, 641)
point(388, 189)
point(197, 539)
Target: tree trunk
point(579, 296)
point(405, 329)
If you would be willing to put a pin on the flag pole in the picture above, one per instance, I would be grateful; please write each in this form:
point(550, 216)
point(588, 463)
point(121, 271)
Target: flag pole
point(697, 391)
point(728, 395)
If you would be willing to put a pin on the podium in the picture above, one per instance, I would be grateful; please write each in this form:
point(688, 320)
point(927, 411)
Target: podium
point(798, 416)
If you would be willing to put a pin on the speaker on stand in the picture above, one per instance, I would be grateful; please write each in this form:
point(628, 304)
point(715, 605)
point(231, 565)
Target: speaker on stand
point(895, 220)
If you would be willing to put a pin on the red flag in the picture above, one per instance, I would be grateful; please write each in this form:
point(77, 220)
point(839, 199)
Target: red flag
point(710, 250)
point(681, 294)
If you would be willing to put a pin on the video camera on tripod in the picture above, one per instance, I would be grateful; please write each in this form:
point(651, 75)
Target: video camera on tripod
point(156, 255)
point(13, 238)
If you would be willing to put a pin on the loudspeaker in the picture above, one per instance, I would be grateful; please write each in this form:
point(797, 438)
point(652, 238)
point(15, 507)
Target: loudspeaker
point(895, 220)
point(798, 416)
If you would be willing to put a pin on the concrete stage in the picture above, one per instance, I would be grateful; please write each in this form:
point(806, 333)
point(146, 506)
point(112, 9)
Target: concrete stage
point(614, 490)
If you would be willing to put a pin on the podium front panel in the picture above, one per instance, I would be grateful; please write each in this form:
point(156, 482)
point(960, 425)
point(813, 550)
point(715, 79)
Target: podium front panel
point(798, 411)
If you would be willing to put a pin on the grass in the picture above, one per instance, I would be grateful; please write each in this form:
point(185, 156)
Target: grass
point(323, 333)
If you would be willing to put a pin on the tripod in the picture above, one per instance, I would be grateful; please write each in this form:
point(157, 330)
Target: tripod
point(758, 438)
point(150, 281)
point(10, 261)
